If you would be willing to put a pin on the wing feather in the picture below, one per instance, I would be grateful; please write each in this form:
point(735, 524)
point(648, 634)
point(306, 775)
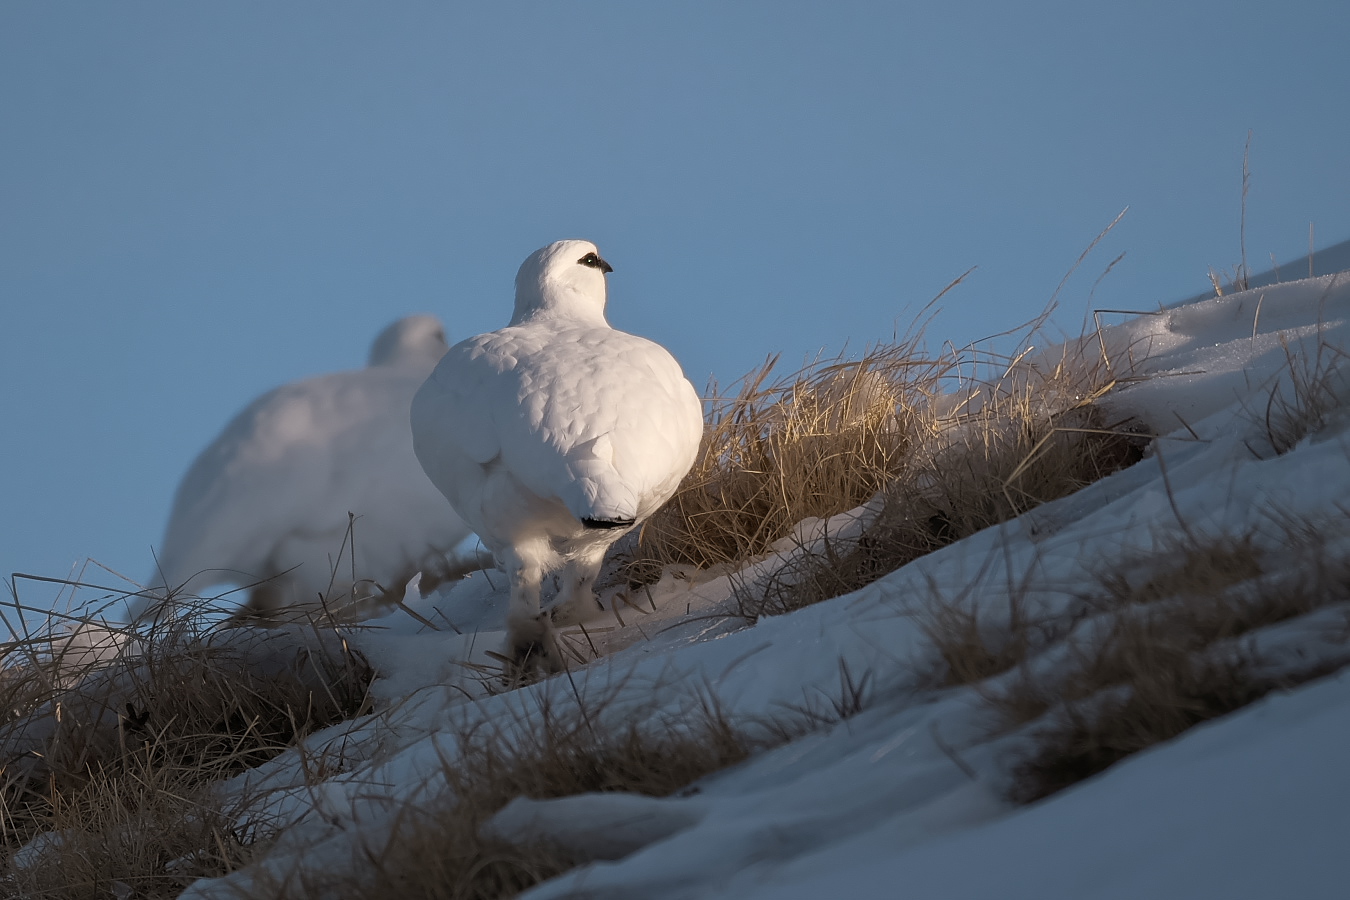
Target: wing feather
point(595, 417)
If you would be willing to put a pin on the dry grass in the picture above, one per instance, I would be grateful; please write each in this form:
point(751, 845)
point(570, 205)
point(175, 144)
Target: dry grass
point(1314, 390)
point(147, 830)
point(1239, 279)
point(1176, 655)
point(436, 853)
point(1163, 641)
point(970, 649)
point(559, 748)
point(116, 759)
point(986, 455)
point(115, 751)
point(568, 749)
point(812, 444)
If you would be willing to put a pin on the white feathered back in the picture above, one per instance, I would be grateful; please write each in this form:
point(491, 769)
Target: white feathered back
point(558, 404)
point(271, 493)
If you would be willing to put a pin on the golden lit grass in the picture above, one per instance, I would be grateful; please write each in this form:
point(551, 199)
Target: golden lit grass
point(956, 442)
point(979, 457)
point(829, 437)
point(812, 444)
point(115, 751)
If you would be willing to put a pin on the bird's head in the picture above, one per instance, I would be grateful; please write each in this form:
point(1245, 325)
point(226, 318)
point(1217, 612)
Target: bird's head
point(566, 279)
point(414, 339)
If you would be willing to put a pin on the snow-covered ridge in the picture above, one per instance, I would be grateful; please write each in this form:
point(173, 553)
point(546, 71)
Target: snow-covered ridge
point(910, 795)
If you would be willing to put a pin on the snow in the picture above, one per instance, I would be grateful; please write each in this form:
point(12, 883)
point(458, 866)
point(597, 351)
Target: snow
point(1253, 806)
point(1335, 258)
point(270, 496)
point(907, 798)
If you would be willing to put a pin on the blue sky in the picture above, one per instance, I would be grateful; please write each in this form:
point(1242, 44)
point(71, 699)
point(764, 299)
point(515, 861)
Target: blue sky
point(201, 201)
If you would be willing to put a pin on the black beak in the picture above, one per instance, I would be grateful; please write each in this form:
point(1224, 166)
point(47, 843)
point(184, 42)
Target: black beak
point(605, 267)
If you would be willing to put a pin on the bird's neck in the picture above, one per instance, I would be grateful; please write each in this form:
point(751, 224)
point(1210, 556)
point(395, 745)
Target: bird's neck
point(572, 308)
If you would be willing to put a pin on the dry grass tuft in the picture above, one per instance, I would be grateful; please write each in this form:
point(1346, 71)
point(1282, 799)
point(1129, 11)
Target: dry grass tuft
point(1166, 689)
point(435, 853)
point(1192, 568)
point(1315, 389)
point(557, 749)
point(820, 708)
point(1152, 655)
point(147, 830)
point(982, 457)
point(812, 444)
point(569, 750)
point(970, 649)
point(112, 737)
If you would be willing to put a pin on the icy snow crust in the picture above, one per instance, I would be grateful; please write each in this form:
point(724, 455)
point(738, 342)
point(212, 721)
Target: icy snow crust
point(904, 799)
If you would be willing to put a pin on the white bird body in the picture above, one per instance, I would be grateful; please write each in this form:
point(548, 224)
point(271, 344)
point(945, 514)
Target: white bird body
point(269, 498)
point(556, 435)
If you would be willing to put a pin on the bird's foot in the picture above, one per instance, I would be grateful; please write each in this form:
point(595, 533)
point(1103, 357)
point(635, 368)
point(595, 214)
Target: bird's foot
point(531, 647)
point(578, 608)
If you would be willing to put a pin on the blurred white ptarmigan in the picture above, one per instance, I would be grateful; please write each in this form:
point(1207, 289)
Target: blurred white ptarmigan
point(555, 436)
point(268, 500)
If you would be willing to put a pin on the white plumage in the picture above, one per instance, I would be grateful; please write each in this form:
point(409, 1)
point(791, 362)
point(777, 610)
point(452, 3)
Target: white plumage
point(556, 435)
point(268, 500)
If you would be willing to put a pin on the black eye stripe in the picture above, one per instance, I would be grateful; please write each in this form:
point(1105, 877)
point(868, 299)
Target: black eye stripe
point(594, 261)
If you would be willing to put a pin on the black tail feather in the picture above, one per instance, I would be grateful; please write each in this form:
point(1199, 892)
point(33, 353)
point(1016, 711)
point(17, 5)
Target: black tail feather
point(608, 523)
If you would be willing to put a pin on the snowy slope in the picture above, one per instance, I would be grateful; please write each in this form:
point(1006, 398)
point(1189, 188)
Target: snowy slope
point(1327, 261)
point(1253, 806)
point(906, 798)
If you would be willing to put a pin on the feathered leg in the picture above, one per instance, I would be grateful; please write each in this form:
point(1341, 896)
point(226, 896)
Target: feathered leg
point(529, 632)
point(576, 599)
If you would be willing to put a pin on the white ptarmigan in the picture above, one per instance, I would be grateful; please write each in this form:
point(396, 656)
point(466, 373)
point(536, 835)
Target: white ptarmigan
point(267, 502)
point(555, 436)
